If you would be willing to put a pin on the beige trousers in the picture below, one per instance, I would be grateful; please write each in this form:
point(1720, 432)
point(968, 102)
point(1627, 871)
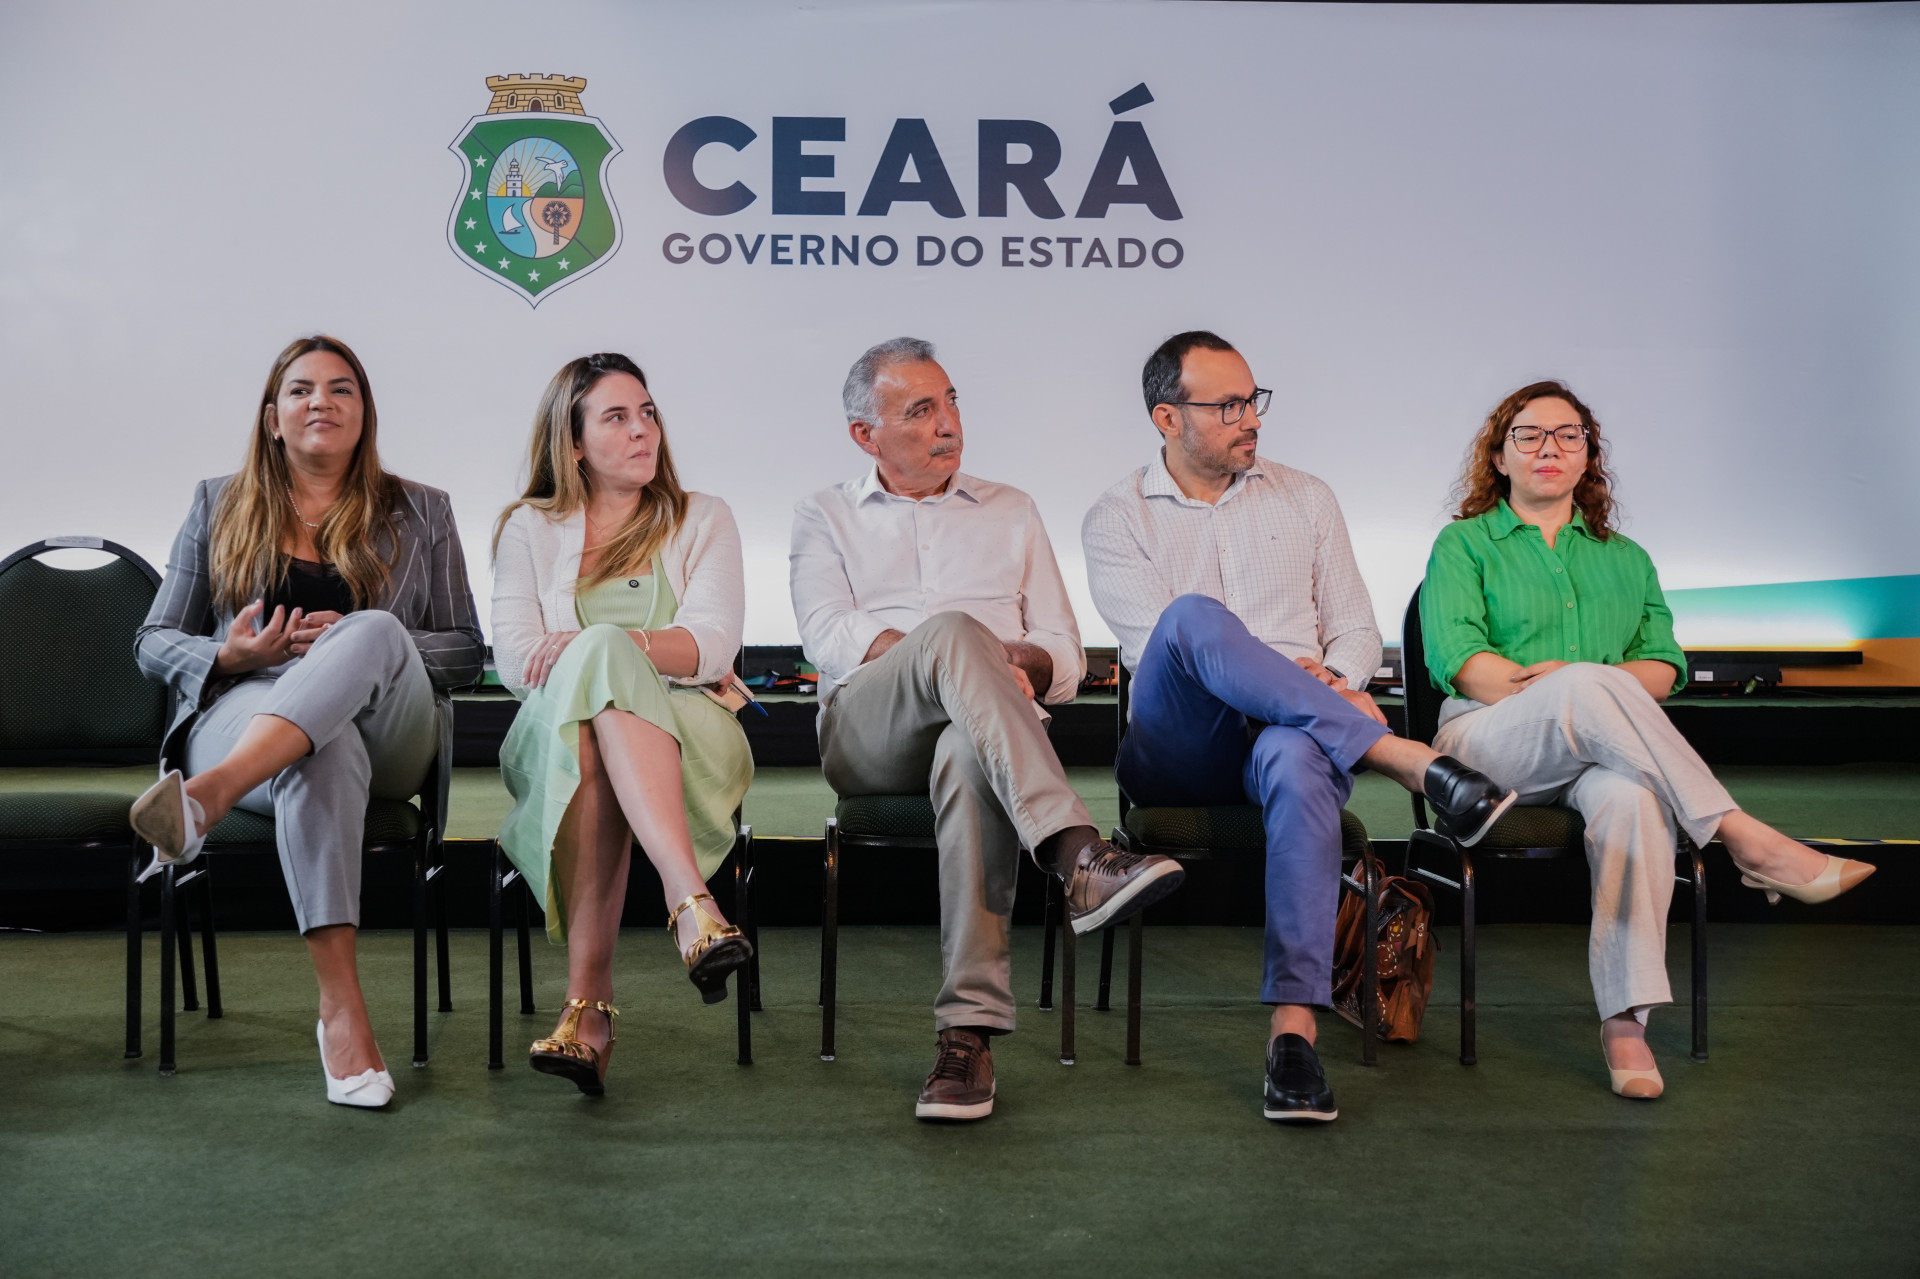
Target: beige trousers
point(939, 714)
point(1590, 737)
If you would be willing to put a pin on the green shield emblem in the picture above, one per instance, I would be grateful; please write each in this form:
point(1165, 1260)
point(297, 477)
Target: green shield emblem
point(534, 212)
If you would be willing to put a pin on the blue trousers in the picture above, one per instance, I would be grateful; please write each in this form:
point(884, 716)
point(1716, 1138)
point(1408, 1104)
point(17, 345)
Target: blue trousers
point(1219, 718)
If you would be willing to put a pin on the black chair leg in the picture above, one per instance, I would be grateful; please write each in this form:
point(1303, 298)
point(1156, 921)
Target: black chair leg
point(1370, 962)
point(751, 925)
point(209, 954)
point(526, 943)
point(496, 964)
point(1050, 915)
point(440, 936)
point(420, 956)
point(1699, 953)
point(1468, 1047)
point(183, 934)
point(168, 960)
point(1136, 935)
point(743, 977)
point(135, 942)
point(1069, 944)
point(1104, 1001)
point(830, 942)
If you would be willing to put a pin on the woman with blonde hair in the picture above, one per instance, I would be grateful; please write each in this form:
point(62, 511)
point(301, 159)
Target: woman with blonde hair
point(617, 607)
point(1548, 629)
point(313, 604)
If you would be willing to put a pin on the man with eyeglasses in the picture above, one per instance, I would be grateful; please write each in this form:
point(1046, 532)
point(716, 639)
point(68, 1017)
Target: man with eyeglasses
point(1232, 587)
point(931, 604)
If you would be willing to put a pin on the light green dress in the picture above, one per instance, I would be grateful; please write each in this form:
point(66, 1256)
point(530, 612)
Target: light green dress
point(602, 667)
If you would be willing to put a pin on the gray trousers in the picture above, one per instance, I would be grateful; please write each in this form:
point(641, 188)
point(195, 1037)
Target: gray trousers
point(1588, 736)
point(362, 695)
point(939, 713)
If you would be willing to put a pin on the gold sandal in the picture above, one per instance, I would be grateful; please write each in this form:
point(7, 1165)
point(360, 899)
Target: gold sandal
point(717, 951)
point(564, 1055)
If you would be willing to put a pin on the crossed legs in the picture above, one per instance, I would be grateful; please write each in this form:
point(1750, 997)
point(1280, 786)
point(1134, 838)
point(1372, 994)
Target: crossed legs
point(354, 717)
point(1203, 680)
point(629, 789)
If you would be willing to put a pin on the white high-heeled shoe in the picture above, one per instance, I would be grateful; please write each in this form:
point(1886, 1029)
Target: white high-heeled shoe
point(1636, 1085)
point(169, 819)
point(369, 1088)
point(1836, 877)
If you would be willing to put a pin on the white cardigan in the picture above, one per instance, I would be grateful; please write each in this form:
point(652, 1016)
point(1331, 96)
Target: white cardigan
point(538, 563)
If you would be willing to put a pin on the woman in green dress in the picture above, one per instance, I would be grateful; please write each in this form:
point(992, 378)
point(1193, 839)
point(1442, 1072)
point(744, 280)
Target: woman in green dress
point(617, 607)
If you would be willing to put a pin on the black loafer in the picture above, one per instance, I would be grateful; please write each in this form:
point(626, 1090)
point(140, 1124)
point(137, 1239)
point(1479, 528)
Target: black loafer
point(1297, 1091)
point(1466, 804)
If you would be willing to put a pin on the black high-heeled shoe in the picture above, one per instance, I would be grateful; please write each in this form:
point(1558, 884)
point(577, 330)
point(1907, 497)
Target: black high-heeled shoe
point(717, 951)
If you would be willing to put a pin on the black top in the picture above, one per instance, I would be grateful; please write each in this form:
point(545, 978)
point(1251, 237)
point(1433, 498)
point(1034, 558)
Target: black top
point(312, 587)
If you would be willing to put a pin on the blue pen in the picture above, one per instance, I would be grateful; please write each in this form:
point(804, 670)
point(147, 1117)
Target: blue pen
point(748, 694)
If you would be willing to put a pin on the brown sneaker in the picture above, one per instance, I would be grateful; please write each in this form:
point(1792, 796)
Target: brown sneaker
point(961, 1085)
point(1107, 885)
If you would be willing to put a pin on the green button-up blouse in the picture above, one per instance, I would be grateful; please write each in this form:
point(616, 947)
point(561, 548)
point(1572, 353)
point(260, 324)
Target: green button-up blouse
point(1494, 585)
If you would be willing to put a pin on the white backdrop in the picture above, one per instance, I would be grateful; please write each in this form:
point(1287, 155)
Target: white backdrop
point(1707, 219)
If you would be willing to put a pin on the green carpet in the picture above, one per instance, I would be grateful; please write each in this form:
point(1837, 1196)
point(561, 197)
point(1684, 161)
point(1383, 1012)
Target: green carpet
point(1793, 1152)
point(1851, 801)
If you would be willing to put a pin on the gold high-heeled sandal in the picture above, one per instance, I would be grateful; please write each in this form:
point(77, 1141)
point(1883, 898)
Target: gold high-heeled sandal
point(564, 1055)
point(718, 950)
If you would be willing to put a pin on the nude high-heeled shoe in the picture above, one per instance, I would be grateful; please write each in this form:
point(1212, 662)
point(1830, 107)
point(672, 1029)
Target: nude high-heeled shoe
point(1636, 1085)
point(1836, 877)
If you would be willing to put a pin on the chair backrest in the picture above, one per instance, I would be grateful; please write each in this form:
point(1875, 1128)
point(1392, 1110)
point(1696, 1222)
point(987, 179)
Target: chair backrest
point(1423, 699)
point(70, 690)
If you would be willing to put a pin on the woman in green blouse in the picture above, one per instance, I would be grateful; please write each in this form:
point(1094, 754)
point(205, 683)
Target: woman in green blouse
point(1548, 629)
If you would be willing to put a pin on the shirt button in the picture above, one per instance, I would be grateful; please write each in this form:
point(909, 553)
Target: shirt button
point(1573, 648)
point(925, 547)
point(1569, 603)
point(1556, 570)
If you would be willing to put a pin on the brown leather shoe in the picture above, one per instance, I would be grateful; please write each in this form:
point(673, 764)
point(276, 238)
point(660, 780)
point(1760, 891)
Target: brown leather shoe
point(961, 1085)
point(1107, 885)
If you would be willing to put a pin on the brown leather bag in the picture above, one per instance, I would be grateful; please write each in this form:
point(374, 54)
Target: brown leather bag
point(1405, 947)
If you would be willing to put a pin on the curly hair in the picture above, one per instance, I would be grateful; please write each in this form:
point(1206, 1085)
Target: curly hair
point(1482, 486)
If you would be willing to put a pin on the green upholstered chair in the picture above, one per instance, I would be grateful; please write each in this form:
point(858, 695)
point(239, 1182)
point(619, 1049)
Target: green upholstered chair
point(1233, 831)
point(71, 694)
point(1525, 832)
point(904, 823)
point(746, 984)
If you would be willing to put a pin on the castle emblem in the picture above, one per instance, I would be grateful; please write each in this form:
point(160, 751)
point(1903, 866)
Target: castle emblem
point(534, 212)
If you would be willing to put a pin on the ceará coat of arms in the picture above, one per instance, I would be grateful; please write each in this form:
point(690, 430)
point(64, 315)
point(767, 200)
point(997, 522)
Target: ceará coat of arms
point(534, 212)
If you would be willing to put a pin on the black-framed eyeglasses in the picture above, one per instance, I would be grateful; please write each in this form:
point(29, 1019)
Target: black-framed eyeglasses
point(1233, 410)
point(1528, 439)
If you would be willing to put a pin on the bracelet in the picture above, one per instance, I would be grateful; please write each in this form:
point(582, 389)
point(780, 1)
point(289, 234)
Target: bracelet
point(646, 645)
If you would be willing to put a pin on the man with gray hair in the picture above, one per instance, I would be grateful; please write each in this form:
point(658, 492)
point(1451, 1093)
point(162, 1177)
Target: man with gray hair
point(932, 606)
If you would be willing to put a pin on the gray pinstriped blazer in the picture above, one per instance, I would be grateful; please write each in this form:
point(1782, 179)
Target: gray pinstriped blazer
point(428, 592)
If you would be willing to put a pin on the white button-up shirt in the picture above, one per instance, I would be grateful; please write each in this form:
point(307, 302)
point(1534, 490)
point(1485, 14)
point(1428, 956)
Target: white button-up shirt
point(1273, 549)
point(865, 560)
